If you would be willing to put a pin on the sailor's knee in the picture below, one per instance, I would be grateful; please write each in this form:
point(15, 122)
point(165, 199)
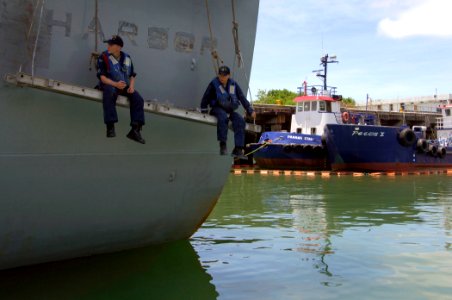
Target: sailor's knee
point(137, 99)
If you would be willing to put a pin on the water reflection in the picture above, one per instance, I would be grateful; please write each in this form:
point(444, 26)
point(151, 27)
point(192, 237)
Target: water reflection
point(165, 272)
point(344, 229)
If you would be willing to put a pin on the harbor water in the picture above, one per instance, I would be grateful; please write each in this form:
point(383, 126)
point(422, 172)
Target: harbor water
point(280, 237)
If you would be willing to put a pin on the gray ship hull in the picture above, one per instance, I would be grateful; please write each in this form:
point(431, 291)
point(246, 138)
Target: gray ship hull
point(65, 189)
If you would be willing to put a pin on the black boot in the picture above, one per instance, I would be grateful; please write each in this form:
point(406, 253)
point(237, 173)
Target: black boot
point(111, 130)
point(239, 153)
point(134, 134)
point(223, 148)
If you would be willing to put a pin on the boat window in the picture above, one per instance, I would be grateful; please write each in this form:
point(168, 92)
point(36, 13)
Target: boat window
point(447, 111)
point(322, 106)
point(298, 130)
point(299, 107)
point(314, 105)
point(328, 106)
point(313, 130)
point(306, 106)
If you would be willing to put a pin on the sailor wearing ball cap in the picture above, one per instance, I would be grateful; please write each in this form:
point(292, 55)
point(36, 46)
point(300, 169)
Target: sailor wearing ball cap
point(117, 77)
point(224, 96)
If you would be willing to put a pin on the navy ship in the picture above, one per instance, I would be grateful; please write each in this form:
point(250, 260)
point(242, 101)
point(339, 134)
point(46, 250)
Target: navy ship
point(65, 189)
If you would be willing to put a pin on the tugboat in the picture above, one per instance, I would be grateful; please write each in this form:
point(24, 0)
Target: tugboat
point(365, 148)
point(302, 148)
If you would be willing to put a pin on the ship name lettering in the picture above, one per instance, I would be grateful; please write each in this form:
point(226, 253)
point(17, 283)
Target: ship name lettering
point(368, 133)
point(306, 138)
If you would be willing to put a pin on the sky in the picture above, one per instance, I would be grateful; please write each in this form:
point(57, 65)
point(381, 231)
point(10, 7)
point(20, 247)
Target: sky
point(388, 49)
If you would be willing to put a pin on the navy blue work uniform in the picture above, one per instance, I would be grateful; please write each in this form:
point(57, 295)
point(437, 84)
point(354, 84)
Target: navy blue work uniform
point(119, 70)
point(223, 102)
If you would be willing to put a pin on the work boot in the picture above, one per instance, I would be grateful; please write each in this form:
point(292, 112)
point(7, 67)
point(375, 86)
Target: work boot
point(223, 148)
point(111, 130)
point(239, 153)
point(134, 134)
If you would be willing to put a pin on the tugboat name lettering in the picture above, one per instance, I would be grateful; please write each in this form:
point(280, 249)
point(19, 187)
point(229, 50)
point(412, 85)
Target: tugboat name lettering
point(305, 138)
point(368, 133)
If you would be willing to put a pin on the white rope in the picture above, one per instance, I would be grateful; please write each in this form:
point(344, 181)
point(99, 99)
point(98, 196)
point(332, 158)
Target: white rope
point(37, 39)
point(30, 28)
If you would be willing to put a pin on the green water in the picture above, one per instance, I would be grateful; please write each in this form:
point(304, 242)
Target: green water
point(281, 238)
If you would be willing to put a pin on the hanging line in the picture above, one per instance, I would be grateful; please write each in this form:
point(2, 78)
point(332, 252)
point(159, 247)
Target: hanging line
point(37, 39)
point(216, 60)
point(95, 54)
point(235, 35)
point(238, 53)
point(30, 28)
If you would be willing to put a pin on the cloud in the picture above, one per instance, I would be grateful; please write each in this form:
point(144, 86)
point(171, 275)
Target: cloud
point(430, 18)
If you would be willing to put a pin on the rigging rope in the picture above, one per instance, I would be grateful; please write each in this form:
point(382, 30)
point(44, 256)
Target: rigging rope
point(216, 60)
point(95, 54)
point(30, 28)
point(235, 34)
point(37, 39)
point(238, 53)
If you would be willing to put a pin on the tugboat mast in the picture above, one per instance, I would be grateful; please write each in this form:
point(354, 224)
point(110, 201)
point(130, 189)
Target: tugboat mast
point(324, 61)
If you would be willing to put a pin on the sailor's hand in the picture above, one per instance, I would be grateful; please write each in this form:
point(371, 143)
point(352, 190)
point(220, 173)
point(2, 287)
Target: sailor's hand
point(121, 85)
point(253, 115)
point(130, 90)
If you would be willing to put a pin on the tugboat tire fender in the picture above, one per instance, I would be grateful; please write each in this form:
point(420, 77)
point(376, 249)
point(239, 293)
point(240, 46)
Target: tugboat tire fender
point(442, 152)
point(433, 150)
point(422, 145)
point(287, 148)
point(407, 137)
point(299, 148)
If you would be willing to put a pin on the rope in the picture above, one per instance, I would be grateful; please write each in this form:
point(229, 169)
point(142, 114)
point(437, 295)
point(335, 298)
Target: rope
point(238, 53)
point(95, 54)
point(36, 40)
point(264, 144)
point(215, 56)
point(96, 27)
point(235, 34)
point(30, 28)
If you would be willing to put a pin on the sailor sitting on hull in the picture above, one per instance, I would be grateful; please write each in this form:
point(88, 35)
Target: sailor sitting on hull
point(224, 96)
point(117, 77)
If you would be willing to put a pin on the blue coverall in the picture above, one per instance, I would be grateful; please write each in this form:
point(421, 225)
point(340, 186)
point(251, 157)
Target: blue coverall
point(223, 117)
point(110, 93)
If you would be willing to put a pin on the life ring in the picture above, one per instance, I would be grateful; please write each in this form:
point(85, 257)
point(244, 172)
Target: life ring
point(407, 137)
point(345, 117)
point(422, 145)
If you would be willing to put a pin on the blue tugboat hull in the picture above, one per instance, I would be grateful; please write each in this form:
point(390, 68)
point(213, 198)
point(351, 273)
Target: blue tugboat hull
point(290, 151)
point(380, 148)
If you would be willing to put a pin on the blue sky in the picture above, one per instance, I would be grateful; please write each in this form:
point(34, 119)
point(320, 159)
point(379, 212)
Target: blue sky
point(386, 48)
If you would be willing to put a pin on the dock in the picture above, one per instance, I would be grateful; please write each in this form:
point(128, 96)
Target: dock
point(245, 170)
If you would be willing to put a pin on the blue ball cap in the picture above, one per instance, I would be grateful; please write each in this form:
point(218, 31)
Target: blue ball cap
point(223, 70)
point(115, 40)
